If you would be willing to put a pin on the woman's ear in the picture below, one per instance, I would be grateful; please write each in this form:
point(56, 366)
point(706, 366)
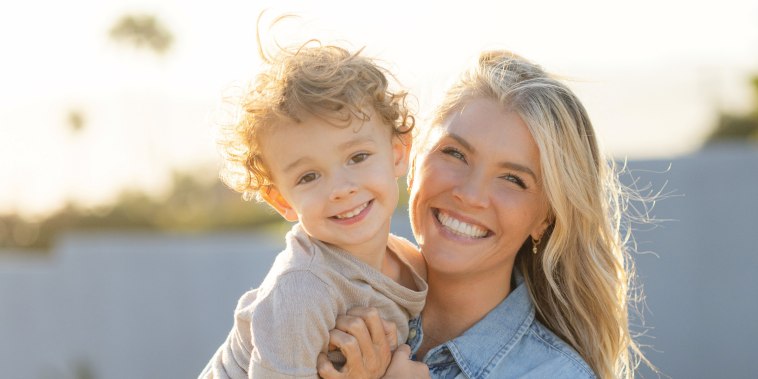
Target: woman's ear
point(543, 229)
point(274, 198)
point(401, 150)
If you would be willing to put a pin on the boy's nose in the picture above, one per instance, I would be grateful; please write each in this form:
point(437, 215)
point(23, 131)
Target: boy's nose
point(343, 189)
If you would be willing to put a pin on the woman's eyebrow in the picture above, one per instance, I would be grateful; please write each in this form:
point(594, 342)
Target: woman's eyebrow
point(518, 167)
point(460, 140)
point(508, 165)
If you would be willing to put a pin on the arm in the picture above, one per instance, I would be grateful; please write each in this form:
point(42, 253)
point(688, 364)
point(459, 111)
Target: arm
point(365, 340)
point(289, 327)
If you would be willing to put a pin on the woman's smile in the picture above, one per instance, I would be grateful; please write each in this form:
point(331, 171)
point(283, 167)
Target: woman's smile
point(454, 224)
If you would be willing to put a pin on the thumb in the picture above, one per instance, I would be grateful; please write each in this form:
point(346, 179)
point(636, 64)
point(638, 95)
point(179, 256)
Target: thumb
point(325, 368)
point(403, 352)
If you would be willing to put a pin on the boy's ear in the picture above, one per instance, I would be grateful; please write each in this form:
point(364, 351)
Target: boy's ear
point(274, 198)
point(401, 150)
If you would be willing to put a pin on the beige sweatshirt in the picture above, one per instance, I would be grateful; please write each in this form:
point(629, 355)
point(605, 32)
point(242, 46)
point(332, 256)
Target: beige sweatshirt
point(282, 326)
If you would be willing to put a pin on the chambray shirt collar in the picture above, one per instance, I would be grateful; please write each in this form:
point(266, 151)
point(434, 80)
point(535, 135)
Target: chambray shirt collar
point(478, 350)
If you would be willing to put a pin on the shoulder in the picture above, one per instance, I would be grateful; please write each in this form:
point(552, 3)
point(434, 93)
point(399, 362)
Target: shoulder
point(305, 286)
point(552, 354)
point(408, 252)
point(300, 256)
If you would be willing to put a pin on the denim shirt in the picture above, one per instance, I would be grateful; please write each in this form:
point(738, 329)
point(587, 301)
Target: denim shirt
point(509, 342)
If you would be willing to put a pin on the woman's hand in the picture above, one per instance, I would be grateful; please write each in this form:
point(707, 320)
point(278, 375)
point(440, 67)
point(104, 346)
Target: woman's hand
point(402, 367)
point(365, 340)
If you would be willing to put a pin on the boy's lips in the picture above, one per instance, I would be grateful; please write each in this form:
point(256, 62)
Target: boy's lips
point(458, 226)
point(354, 214)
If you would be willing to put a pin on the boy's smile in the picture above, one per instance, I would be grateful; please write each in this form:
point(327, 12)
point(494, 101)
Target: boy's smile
point(340, 182)
point(354, 215)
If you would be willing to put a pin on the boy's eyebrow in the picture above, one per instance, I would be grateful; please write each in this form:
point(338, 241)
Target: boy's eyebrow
point(296, 163)
point(343, 146)
point(355, 141)
point(508, 165)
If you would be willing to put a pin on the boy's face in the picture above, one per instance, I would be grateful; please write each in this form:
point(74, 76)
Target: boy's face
point(339, 182)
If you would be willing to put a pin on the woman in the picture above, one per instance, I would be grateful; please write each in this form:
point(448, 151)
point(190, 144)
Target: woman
point(518, 216)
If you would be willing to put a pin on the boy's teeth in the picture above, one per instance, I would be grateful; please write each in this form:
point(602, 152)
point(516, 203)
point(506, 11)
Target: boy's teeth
point(352, 213)
point(461, 228)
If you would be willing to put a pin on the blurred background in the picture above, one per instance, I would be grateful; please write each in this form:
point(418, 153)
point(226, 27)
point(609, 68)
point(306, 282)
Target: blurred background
point(122, 255)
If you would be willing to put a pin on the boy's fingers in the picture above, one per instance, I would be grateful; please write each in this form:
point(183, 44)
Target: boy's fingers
point(325, 368)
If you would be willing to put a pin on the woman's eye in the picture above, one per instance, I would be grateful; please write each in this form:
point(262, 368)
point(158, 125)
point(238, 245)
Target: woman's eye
point(360, 157)
point(453, 152)
point(307, 178)
point(515, 180)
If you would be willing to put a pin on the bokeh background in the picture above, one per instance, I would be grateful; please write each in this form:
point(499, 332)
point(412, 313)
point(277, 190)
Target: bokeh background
point(122, 255)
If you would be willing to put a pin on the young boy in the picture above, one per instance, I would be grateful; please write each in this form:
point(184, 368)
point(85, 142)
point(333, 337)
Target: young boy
point(322, 140)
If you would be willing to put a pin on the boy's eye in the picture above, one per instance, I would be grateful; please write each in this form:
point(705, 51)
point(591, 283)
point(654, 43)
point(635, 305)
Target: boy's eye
point(309, 177)
point(358, 158)
point(455, 153)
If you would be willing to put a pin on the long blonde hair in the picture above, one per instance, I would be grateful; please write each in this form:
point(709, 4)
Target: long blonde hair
point(580, 280)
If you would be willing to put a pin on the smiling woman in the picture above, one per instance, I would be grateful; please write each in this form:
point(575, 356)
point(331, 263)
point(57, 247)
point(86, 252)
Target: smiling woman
point(484, 158)
point(518, 216)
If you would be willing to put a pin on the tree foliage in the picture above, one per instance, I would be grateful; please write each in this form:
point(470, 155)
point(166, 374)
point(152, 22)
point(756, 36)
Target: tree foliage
point(142, 31)
point(192, 205)
point(738, 127)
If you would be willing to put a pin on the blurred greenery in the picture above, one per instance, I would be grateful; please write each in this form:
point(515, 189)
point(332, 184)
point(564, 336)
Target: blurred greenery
point(192, 205)
point(75, 120)
point(142, 31)
point(737, 127)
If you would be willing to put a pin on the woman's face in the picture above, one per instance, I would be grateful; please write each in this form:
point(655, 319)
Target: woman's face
point(477, 191)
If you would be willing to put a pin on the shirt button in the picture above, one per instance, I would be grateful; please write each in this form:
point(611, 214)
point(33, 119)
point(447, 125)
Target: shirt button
point(412, 333)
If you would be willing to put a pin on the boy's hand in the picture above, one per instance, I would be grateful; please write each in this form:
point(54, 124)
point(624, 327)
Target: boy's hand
point(365, 340)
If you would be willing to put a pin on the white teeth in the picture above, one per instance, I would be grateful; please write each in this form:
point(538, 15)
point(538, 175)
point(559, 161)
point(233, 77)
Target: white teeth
point(352, 213)
point(461, 228)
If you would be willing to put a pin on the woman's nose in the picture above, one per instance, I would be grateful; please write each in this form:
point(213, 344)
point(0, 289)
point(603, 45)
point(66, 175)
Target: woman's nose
point(472, 191)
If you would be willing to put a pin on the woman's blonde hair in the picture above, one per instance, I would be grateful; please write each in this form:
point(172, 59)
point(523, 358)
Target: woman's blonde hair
point(324, 81)
point(580, 279)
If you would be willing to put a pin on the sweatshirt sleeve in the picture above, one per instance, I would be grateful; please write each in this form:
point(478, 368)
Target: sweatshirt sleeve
point(290, 327)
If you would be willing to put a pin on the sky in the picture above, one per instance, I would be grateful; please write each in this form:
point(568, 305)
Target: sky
point(652, 75)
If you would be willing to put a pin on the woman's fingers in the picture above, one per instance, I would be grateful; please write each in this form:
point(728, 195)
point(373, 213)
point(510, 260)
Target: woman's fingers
point(355, 366)
point(326, 369)
point(390, 333)
point(403, 367)
point(356, 328)
point(378, 351)
point(365, 340)
point(347, 344)
point(372, 322)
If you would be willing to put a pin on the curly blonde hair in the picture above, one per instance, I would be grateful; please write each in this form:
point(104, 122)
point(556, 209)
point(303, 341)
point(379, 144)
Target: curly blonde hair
point(580, 282)
point(312, 80)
